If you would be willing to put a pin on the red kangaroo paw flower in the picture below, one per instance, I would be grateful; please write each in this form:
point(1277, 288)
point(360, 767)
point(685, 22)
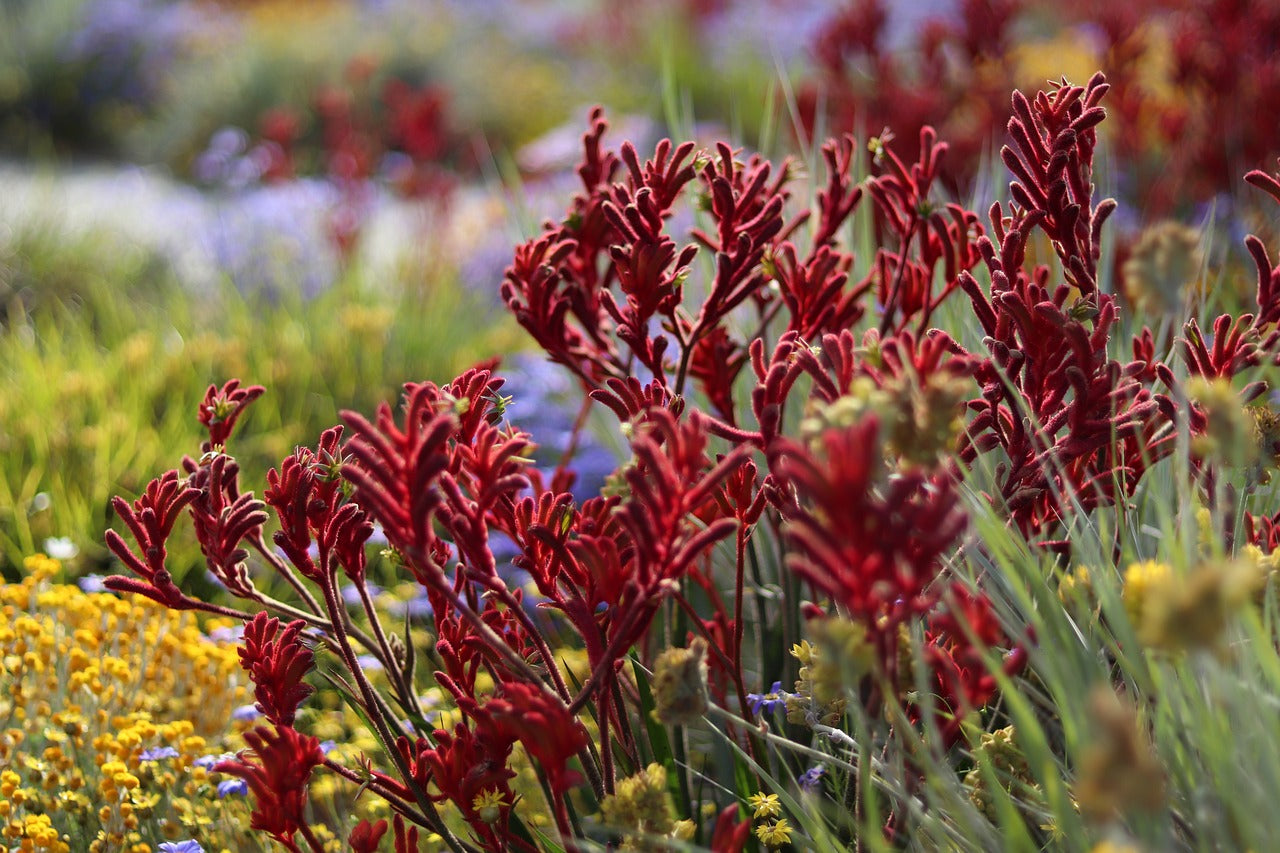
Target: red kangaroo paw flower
point(222, 407)
point(277, 773)
point(277, 661)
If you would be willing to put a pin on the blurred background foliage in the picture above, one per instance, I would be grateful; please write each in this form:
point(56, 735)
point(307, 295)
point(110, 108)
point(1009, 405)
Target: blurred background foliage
point(321, 197)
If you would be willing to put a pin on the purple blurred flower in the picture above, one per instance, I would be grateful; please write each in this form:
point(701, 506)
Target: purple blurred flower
point(207, 761)
point(811, 779)
point(767, 703)
point(233, 786)
point(418, 607)
point(129, 47)
point(188, 846)
point(545, 403)
point(158, 753)
point(271, 240)
point(351, 593)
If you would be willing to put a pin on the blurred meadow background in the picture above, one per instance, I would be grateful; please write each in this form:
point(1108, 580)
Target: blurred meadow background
point(322, 197)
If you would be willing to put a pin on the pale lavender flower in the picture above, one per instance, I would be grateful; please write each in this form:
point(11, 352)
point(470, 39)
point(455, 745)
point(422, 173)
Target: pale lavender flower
point(229, 787)
point(188, 846)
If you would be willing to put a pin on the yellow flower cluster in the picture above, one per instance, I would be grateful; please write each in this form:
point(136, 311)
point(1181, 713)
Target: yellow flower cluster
point(641, 808)
point(773, 831)
point(999, 762)
point(1181, 611)
point(835, 662)
point(105, 706)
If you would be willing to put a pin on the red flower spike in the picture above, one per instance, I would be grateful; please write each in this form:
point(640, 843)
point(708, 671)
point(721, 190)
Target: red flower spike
point(221, 408)
point(633, 403)
point(542, 724)
point(543, 297)
point(366, 837)
point(1052, 159)
point(650, 269)
point(406, 836)
point(1094, 428)
point(748, 211)
point(150, 520)
point(954, 644)
point(715, 363)
point(277, 775)
point(223, 519)
point(277, 661)
point(306, 493)
point(774, 380)
point(814, 291)
point(876, 555)
point(394, 470)
point(465, 764)
point(838, 199)
point(730, 834)
point(1235, 347)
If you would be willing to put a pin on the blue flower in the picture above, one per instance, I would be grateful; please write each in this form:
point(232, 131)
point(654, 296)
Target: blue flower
point(769, 702)
point(233, 786)
point(188, 846)
point(158, 753)
point(245, 713)
point(207, 761)
point(811, 779)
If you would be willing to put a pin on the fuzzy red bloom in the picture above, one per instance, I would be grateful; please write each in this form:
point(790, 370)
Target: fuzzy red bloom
point(463, 764)
point(406, 836)
point(222, 407)
point(366, 836)
point(730, 834)
point(542, 724)
point(223, 519)
point(395, 471)
point(277, 661)
point(277, 773)
point(875, 550)
point(150, 519)
point(955, 641)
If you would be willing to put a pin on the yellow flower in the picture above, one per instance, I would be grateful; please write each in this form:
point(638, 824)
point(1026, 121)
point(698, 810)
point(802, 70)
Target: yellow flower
point(488, 805)
point(1139, 580)
point(765, 805)
point(774, 835)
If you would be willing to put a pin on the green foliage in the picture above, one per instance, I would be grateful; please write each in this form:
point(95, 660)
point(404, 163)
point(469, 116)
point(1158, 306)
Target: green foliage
point(104, 352)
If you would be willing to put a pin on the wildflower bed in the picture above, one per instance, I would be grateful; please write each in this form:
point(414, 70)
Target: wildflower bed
point(927, 545)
